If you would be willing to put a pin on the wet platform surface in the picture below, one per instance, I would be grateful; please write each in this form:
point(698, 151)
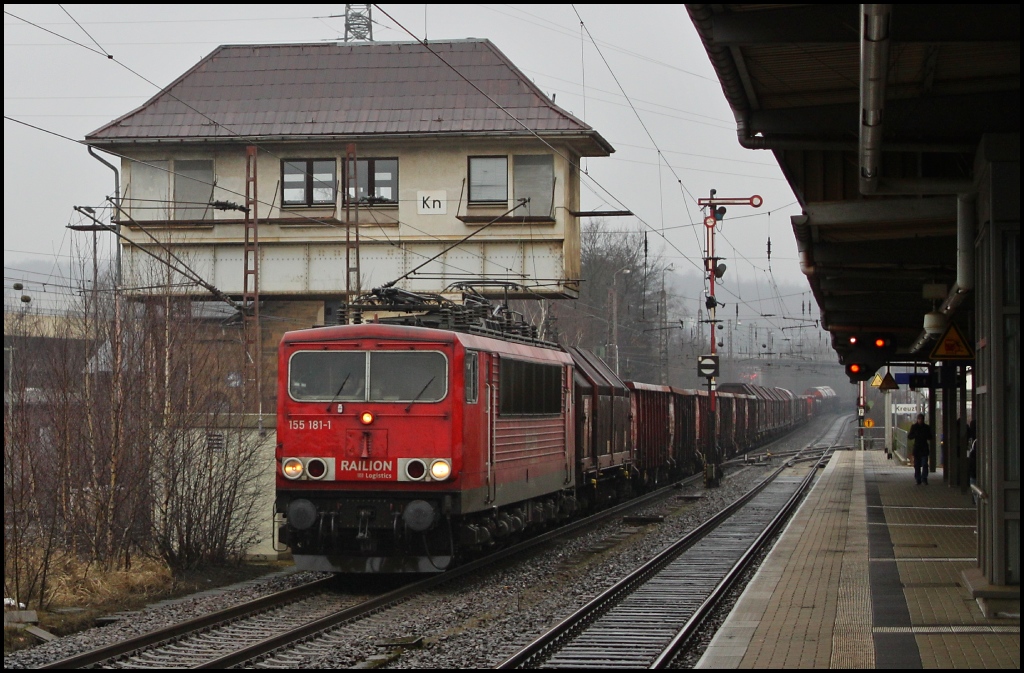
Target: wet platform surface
point(867, 575)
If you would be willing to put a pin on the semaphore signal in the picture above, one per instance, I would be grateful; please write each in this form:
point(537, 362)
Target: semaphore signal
point(715, 270)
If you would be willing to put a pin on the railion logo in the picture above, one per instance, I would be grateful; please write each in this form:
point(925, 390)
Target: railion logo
point(367, 465)
point(367, 470)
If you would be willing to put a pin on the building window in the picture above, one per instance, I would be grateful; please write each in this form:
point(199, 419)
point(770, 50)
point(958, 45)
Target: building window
point(309, 182)
point(216, 442)
point(150, 190)
point(534, 179)
point(488, 179)
point(376, 180)
point(181, 189)
point(193, 189)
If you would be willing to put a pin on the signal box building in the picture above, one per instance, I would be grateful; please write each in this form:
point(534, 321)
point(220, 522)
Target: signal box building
point(416, 146)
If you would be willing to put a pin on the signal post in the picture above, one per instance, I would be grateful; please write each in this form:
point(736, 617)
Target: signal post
point(708, 365)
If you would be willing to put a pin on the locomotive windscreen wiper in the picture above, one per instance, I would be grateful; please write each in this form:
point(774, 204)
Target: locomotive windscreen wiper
point(420, 393)
point(338, 394)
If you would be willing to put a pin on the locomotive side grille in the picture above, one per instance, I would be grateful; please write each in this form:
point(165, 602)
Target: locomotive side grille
point(528, 437)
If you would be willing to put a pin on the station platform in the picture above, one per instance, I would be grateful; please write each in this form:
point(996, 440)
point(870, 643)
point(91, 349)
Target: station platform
point(868, 574)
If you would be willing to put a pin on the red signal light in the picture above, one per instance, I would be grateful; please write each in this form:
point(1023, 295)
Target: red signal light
point(855, 368)
point(879, 343)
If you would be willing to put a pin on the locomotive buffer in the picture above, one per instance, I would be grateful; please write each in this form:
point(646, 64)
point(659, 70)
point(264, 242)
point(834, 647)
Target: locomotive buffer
point(707, 365)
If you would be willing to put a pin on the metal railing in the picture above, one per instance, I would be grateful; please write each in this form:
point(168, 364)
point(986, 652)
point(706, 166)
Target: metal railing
point(899, 441)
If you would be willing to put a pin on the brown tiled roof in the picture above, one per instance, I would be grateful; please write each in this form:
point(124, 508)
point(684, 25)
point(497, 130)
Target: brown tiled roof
point(318, 90)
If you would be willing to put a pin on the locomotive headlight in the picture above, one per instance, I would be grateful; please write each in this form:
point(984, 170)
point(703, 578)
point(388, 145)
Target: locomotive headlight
point(292, 468)
point(440, 470)
point(415, 469)
point(366, 418)
point(316, 468)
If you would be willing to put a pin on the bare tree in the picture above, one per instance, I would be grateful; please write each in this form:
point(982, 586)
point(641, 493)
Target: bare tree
point(126, 432)
point(615, 269)
point(207, 460)
point(28, 510)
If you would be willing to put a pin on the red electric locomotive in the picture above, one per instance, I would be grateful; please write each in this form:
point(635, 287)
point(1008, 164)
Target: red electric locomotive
point(398, 445)
point(445, 429)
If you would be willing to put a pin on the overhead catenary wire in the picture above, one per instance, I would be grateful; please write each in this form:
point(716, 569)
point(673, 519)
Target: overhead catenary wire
point(529, 130)
point(262, 202)
point(684, 256)
point(541, 139)
point(213, 185)
point(166, 90)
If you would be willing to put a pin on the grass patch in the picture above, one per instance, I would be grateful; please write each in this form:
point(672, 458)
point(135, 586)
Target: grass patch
point(96, 593)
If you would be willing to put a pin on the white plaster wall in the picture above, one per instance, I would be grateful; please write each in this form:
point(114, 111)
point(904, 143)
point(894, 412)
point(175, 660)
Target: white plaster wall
point(307, 254)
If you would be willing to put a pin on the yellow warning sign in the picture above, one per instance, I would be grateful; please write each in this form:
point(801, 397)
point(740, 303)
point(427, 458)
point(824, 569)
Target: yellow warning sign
point(888, 383)
point(877, 381)
point(869, 423)
point(952, 346)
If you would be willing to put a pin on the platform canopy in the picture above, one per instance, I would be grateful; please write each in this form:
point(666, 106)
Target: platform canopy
point(879, 116)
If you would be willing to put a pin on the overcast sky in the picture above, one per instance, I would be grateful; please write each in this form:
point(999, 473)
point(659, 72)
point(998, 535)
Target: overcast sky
point(652, 51)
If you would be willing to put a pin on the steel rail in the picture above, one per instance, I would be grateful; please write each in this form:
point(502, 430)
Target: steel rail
point(353, 613)
point(176, 631)
point(677, 643)
point(536, 651)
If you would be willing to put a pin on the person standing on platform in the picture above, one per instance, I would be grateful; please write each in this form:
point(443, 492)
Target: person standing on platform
point(921, 433)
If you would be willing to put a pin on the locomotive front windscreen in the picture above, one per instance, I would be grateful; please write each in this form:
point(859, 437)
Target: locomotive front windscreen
point(319, 376)
point(339, 376)
point(408, 376)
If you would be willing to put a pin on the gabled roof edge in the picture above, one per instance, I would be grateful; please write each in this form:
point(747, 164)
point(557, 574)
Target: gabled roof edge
point(159, 93)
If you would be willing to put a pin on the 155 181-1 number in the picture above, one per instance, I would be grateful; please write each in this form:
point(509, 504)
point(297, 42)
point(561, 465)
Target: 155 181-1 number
point(314, 424)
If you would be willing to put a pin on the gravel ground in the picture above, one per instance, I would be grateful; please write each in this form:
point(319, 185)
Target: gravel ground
point(157, 616)
point(477, 622)
point(499, 615)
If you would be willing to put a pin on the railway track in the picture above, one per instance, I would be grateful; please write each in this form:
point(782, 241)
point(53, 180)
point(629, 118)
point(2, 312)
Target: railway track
point(164, 647)
point(264, 628)
point(266, 631)
point(645, 619)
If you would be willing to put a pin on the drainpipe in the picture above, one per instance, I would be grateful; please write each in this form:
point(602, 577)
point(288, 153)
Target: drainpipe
point(874, 66)
point(735, 82)
point(966, 228)
point(117, 392)
point(117, 209)
point(803, 244)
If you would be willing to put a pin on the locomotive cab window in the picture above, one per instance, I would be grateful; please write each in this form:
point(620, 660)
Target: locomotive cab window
point(394, 376)
point(530, 388)
point(327, 376)
point(415, 376)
